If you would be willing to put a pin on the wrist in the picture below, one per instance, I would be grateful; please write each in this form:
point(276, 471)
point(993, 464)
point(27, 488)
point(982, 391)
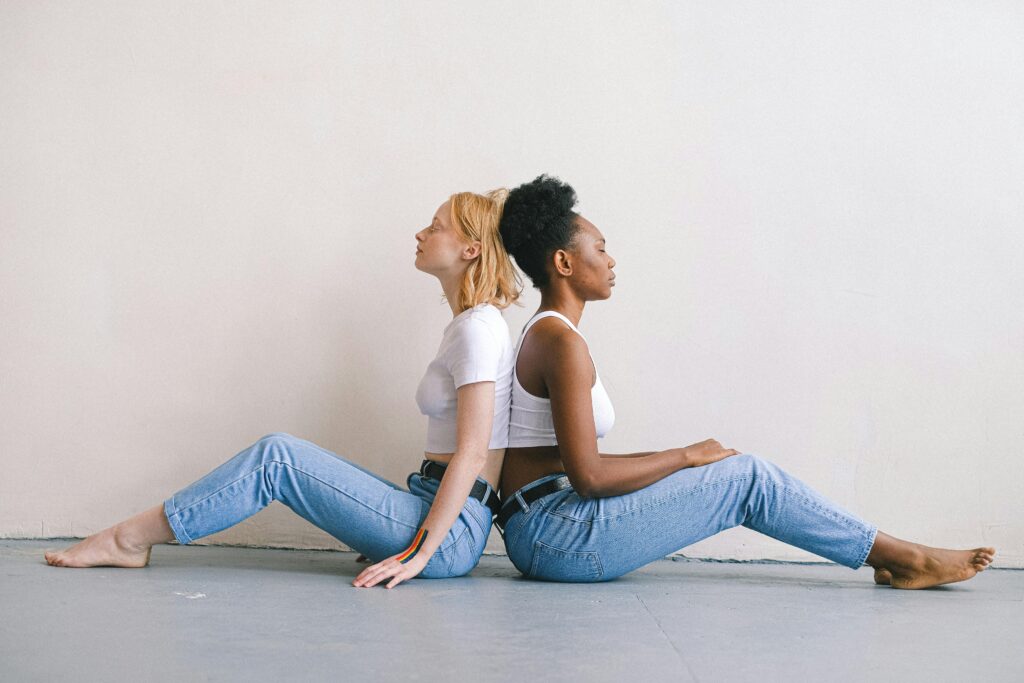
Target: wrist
point(682, 458)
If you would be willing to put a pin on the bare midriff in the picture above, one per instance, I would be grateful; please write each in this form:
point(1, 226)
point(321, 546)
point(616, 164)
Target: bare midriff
point(523, 465)
point(492, 468)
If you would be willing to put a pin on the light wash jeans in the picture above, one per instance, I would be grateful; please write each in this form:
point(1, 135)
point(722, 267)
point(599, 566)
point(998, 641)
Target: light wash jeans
point(362, 510)
point(565, 537)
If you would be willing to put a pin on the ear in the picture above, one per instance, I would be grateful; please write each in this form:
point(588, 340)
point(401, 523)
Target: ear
point(562, 261)
point(471, 251)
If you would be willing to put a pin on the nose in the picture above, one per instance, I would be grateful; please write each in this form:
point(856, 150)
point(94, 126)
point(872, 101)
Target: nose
point(419, 236)
point(611, 262)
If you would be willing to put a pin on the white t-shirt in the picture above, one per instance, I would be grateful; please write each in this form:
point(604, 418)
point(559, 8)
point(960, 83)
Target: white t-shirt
point(476, 347)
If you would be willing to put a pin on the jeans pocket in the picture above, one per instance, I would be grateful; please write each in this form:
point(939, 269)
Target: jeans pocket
point(554, 564)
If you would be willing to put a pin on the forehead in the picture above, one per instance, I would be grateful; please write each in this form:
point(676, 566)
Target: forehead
point(588, 229)
point(443, 211)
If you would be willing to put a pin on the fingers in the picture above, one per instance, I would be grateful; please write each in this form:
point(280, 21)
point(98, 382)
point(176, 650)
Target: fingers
point(376, 573)
point(372, 574)
point(723, 454)
point(368, 574)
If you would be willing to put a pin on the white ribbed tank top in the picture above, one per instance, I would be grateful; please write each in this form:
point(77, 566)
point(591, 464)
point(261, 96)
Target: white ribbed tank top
point(530, 423)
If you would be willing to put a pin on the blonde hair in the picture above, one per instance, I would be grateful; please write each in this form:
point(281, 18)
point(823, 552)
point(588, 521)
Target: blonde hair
point(491, 278)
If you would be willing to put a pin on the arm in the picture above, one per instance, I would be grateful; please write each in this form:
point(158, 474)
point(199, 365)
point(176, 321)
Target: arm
point(474, 415)
point(566, 373)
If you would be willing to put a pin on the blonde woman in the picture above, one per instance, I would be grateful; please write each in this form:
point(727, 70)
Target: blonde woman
point(438, 527)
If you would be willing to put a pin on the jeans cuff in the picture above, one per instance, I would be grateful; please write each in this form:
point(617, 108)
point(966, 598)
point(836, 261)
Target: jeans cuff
point(867, 547)
point(172, 518)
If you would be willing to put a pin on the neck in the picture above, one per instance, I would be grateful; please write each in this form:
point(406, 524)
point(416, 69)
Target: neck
point(450, 284)
point(563, 301)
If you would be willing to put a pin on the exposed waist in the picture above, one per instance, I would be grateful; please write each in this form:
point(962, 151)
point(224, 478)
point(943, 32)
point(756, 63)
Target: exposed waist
point(524, 465)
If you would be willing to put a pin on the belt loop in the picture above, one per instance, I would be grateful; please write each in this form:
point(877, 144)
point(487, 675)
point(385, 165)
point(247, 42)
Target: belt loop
point(522, 503)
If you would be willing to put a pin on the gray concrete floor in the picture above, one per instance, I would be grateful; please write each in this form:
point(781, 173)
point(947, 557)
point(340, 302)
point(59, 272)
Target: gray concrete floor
point(207, 613)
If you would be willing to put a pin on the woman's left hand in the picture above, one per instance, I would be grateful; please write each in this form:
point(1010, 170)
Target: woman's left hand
point(392, 568)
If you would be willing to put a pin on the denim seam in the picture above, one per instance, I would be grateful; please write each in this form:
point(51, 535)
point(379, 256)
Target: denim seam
point(654, 504)
point(843, 519)
point(667, 499)
point(308, 474)
point(510, 539)
point(176, 526)
point(344, 493)
point(450, 552)
point(869, 542)
point(840, 519)
point(475, 514)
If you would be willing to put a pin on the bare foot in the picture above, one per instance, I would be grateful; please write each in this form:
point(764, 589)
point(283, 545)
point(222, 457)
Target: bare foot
point(103, 549)
point(883, 576)
point(935, 566)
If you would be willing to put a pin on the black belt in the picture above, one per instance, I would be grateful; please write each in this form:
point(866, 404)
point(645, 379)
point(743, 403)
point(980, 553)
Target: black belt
point(482, 491)
point(512, 504)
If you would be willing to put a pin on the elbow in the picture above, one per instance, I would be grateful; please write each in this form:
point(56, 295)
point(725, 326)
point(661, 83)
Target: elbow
point(587, 486)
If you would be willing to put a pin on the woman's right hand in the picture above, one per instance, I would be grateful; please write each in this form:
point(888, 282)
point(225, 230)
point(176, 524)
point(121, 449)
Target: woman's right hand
point(706, 452)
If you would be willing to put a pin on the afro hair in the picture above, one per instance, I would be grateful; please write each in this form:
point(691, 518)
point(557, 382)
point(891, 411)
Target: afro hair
point(538, 219)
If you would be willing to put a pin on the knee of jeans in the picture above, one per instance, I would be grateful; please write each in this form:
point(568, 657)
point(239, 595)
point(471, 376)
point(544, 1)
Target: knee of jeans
point(276, 435)
point(760, 468)
point(748, 463)
point(274, 444)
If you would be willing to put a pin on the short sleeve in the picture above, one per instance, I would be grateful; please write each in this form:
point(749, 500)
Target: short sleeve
point(474, 354)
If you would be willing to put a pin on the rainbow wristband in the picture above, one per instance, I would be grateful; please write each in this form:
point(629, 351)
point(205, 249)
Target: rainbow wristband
point(411, 551)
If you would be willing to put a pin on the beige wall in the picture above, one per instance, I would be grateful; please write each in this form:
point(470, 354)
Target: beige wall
point(207, 215)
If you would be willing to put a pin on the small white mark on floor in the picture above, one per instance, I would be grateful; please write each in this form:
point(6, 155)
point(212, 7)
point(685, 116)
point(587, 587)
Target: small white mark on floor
point(190, 596)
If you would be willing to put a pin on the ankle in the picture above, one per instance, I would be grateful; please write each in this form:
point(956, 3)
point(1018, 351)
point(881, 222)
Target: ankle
point(128, 538)
point(894, 554)
point(911, 558)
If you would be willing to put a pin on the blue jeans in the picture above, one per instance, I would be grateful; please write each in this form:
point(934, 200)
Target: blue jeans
point(566, 537)
point(365, 512)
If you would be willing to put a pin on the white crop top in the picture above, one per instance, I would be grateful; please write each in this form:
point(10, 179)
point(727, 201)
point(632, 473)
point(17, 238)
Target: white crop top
point(531, 423)
point(475, 347)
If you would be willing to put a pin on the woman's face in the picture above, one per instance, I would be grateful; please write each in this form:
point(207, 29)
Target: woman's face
point(592, 275)
point(439, 249)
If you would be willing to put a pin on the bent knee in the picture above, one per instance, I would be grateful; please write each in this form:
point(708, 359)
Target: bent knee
point(758, 467)
point(748, 462)
point(276, 445)
point(284, 436)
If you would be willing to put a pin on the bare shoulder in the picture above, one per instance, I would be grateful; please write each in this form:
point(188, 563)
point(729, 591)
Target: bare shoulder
point(558, 344)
